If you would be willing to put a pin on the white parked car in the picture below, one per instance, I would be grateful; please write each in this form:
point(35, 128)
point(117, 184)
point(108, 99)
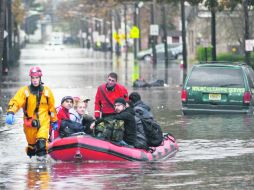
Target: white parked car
point(174, 51)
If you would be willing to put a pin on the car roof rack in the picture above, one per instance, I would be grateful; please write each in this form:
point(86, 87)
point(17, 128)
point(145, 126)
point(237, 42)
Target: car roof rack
point(222, 62)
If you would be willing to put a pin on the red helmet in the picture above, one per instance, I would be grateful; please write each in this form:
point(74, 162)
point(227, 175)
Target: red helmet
point(35, 72)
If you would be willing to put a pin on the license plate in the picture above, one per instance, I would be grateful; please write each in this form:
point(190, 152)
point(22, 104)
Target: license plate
point(214, 96)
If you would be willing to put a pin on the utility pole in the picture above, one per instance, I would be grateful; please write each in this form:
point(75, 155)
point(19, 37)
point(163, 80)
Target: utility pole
point(135, 24)
point(139, 27)
point(125, 32)
point(184, 40)
point(246, 29)
point(111, 34)
point(213, 31)
point(153, 38)
point(164, 26)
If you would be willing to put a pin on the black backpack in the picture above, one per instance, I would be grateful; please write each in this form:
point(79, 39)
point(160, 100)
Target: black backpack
point(152, 129)
point(153, 132)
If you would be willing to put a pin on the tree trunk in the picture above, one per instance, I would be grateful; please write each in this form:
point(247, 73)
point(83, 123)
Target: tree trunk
point(213, 33)
point(2, 23)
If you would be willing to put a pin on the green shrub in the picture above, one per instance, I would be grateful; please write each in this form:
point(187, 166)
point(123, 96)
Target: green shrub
point(234, 57)
point(204, 54)
point(230, 57)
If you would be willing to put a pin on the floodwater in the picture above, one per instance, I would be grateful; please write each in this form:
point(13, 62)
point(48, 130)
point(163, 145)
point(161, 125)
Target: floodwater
point(216, 151)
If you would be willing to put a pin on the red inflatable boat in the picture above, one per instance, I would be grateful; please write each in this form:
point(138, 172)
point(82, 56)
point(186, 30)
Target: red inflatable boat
point(85, 147)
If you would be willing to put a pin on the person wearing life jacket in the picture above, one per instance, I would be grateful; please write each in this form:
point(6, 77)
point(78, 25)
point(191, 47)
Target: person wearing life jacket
point(106, 95)
point(38, 104)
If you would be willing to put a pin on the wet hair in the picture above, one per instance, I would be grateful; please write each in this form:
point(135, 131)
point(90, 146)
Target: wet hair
point(113, 75)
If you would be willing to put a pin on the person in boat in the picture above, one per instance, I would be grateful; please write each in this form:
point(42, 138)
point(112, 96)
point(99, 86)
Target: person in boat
point(125, 114)
point(136, 101)
point(38, 105)
point(79, 109)
point(80, 114)
point(63, 113)
point(106, 95)
point(149, 132)
point(140, 108)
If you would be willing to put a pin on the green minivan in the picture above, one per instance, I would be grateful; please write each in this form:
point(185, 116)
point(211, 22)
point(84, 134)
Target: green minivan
point(218, 87)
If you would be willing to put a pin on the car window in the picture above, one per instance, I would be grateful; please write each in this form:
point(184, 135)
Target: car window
point(250, 76)
point(216, 77)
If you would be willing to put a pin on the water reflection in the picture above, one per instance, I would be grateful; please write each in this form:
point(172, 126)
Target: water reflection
point(38, 176)
point(108, 175)
point(217, 126)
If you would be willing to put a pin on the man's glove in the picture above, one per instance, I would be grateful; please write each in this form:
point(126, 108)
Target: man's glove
point(54, 125)
point(10, 118)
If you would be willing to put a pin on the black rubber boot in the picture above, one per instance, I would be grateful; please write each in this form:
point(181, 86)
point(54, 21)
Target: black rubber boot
point(30, 151)
point(41, 147)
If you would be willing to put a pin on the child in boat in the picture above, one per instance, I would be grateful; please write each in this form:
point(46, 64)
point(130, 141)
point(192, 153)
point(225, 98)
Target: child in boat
point(80, 114)
point(79, 109)
point(63, 113)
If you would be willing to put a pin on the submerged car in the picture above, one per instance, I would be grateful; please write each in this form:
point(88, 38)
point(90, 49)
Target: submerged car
point(174, 51)
point(218, 87)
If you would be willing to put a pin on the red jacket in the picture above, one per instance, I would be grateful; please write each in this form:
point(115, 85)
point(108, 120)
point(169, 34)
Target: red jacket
point(62, 113)
point(102, 105)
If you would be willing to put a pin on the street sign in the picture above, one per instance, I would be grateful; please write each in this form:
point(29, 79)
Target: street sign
point(117, 37)
point(154, 30)
point(5, 34)
point(134, 33)
point(249, 44)
point(95, 35)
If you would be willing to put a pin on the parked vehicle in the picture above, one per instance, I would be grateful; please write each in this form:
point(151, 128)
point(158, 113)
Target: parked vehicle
point(218, 87)
point(55, 42)
point(174, 51)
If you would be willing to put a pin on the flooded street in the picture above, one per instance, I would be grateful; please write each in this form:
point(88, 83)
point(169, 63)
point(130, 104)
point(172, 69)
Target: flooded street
point(216, 151)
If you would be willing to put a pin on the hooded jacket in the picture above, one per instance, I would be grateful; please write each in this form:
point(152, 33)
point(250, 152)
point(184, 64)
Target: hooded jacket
point(74, 116)
point(140, 103)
